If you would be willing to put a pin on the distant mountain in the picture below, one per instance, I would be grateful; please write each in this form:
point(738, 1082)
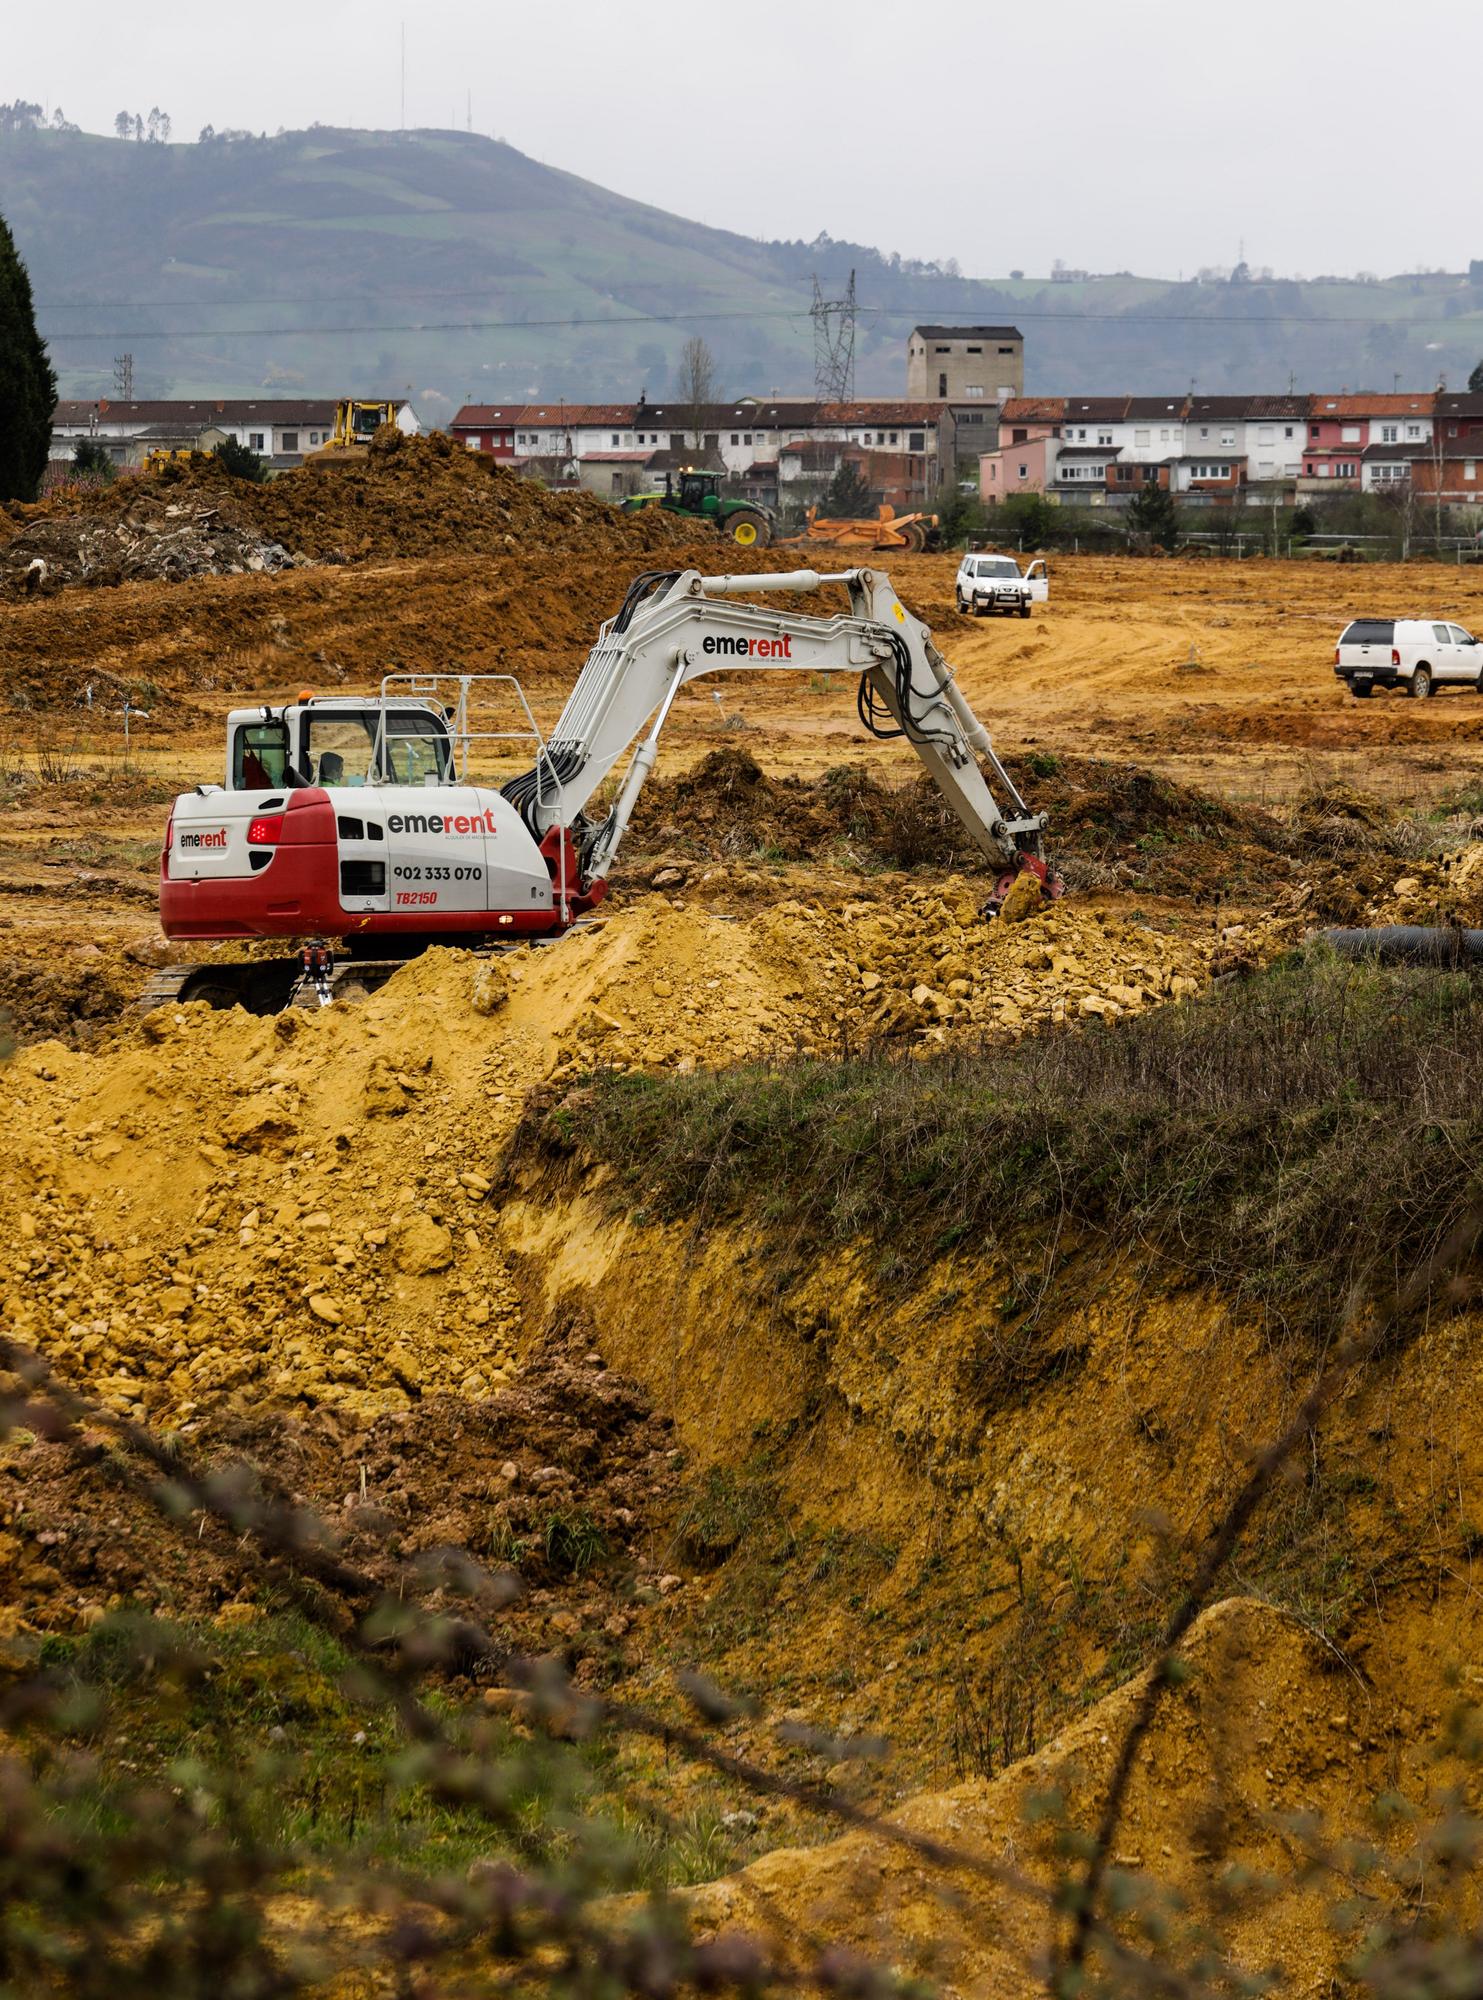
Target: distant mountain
point(336, 261)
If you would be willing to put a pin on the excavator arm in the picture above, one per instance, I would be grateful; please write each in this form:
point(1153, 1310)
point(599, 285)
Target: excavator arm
point(675, 626)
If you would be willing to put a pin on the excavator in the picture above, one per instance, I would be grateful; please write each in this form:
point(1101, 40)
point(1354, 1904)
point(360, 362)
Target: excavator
point(357, 818)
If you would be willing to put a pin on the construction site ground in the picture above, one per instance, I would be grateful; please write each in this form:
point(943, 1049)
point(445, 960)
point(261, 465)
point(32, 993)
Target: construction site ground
point(305, 1237)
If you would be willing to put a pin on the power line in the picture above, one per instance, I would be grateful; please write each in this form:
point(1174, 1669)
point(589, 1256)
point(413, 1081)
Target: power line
point(424, 326)
point(902, 313)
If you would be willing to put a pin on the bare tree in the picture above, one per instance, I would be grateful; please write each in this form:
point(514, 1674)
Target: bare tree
point(695, 384)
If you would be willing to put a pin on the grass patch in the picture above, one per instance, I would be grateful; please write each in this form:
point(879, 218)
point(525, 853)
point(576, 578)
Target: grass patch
point(271, 1734)
point(1291, 1136)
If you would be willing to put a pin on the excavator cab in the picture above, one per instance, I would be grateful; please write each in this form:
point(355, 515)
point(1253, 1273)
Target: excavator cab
point(338, 741)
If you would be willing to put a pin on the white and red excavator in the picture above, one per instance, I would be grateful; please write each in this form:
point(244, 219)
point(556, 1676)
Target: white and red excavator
point(355, 818)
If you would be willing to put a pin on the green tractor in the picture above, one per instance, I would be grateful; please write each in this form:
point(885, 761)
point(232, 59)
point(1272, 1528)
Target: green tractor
point(698, 495)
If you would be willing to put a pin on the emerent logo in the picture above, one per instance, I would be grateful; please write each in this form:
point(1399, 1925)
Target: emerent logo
point(194, 843)
point(478, 822)
point(754, 649)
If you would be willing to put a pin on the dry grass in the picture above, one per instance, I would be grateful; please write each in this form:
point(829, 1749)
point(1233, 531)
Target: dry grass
point(1292, 1136)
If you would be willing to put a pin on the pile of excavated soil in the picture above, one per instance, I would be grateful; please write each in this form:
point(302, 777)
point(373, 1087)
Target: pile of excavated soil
point(408, 497)
point(294, 1208)
point(1112, 825)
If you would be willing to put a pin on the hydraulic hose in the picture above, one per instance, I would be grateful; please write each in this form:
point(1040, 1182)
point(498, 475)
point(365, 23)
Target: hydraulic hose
point(1409, 944)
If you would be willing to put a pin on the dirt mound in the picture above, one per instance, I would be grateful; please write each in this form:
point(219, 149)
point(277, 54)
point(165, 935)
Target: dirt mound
point(1232, 1762)
point(1109, 822)
point(293, 1208)
point(409, 497)
point(70, 997)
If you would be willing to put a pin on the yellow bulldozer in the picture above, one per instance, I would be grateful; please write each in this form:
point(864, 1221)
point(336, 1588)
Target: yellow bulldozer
point(355, 425)
point(885, 530)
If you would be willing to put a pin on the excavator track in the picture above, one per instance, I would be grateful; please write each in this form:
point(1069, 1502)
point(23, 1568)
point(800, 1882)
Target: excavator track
point(263, 985)
point(269, 985)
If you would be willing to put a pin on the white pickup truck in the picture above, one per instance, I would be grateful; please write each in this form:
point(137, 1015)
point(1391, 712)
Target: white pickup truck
point(1418, 654)
point(986, 584)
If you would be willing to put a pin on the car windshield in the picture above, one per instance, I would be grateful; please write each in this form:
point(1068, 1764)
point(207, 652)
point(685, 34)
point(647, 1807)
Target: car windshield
point(339, 746)
point(997, 566)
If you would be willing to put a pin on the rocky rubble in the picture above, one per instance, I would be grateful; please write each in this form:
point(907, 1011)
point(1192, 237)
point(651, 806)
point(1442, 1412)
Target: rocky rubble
point(152, 542)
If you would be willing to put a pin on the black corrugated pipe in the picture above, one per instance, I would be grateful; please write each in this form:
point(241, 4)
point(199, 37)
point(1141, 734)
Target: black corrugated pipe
point(1409, 944)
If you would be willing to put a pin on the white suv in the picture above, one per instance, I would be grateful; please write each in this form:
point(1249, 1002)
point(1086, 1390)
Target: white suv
point(1419, 654)
point(993, 583)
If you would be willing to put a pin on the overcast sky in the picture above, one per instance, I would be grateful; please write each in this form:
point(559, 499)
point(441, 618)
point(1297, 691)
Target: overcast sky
point(1325, 135)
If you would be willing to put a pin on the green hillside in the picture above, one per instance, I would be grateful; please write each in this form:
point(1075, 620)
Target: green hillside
point(454, 266)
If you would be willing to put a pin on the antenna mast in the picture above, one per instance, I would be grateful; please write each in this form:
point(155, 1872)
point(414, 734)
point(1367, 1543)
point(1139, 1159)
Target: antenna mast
point(834, 344)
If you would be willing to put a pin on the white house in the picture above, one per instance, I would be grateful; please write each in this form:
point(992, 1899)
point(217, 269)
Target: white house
point(279, 430)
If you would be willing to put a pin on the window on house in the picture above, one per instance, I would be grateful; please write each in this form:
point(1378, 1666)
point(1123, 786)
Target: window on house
point(895, 436)
point(916, 441)
point(1104, 437)
point(1349, 434)
point(254, 440)
point(974, 389)
point(942, 350)
point(290, 440)
point(975, 350)
point(746, 437)
point(1228, 437)
point(1470, 468)
point(1264, 436)
point(736, 437)
point(1024, 472)
point(1313, 430)
point(1141, 438)
point(1413, 430)
point(1006, 350)
point(1389, 433)
point(1287, 432)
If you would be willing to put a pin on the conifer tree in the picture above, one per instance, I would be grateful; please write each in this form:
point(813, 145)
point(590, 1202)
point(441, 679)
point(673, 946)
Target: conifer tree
point(28, 385)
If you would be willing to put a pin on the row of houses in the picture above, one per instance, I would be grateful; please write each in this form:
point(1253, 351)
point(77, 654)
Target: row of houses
point(773, 449)
point(282, 431)
point(1104, 449)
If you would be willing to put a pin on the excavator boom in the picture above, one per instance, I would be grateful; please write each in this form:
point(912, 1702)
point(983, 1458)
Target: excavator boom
point(676, 626)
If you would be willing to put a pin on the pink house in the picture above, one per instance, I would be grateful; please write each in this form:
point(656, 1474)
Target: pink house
point(1341, 427)
point(1027, 467)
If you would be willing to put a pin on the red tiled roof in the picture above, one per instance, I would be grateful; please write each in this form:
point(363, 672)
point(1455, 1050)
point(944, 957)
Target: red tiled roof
point(1032, 410)
point(1419, 404)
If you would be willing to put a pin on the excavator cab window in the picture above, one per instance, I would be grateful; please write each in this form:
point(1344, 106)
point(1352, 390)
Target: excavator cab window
point(368, 419)
point(415, 746)
point(259, 756)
